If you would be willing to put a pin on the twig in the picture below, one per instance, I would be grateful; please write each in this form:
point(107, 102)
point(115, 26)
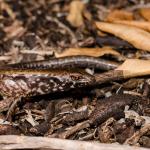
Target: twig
point(5, 58)
point(74, 39)
point(25, 142)
point(135, 7)
point(137, 135)
point(74, 129)
point(39, 52)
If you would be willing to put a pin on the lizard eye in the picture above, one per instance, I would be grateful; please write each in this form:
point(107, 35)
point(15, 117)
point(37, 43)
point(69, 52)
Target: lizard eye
point(74, 78)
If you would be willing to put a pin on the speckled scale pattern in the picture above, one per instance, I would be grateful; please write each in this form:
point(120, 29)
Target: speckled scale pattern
point(23, 83)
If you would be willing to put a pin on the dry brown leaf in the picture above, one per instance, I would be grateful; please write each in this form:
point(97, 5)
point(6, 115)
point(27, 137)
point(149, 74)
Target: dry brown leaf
point(75, 17)
point(119, 15)
point(135, 36)
point(145, 13)
point(145, 25)
point(87, 14)
point(95, 52)
point(135, 67)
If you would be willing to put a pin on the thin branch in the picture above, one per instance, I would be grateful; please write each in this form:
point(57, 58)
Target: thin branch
point(25, 142)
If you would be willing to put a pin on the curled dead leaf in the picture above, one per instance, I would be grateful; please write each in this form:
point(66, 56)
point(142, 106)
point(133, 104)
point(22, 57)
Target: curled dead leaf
point(95, 52)
point(135, 67)
point(119, 15)
point(75, 17)
point(135, 36)
point(145, 25)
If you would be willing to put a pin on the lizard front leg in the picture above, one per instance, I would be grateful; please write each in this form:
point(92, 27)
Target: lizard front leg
point(9, 104)
point(5, 103)
point(12, 90)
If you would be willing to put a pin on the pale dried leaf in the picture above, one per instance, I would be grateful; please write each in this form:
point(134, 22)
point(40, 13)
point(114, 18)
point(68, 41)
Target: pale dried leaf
point(75, 17)
point(135, 67)
point(145, 25)
point(95, 52)
point(87, 15)
point(135, 36)
point(145, 13)
point(30, 119)
point(119, 15)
